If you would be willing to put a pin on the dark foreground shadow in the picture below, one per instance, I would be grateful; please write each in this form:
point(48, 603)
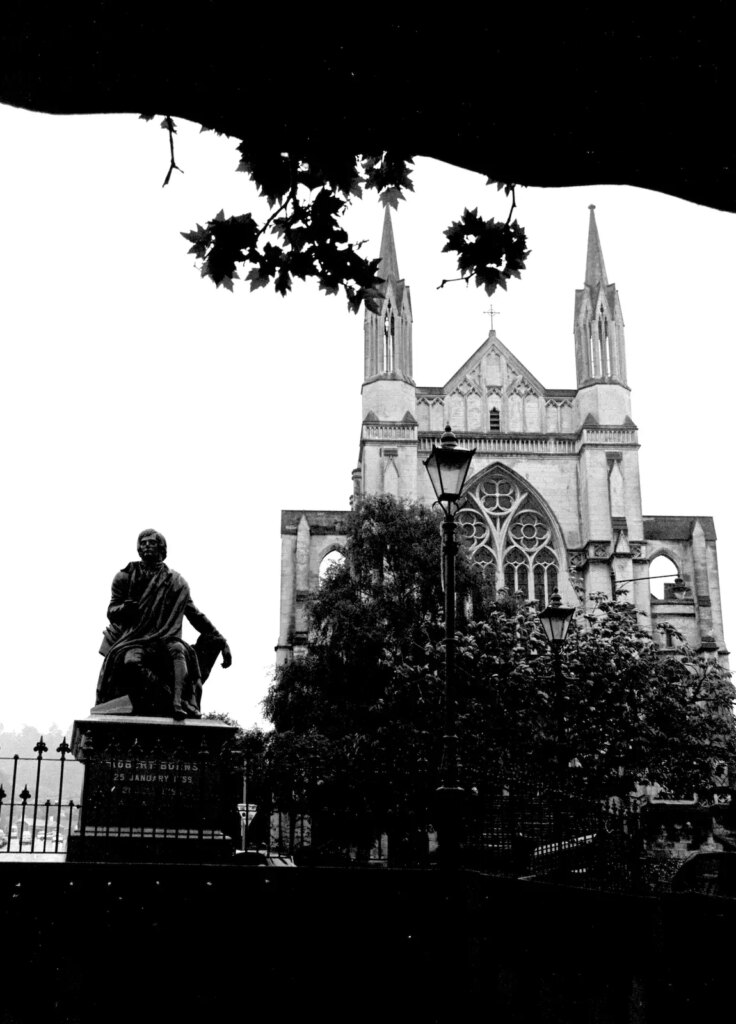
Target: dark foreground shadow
point(96, 942)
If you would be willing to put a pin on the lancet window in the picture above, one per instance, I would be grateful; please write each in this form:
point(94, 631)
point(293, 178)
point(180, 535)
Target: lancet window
point(605, 344)
point(389, 334)
point(592, 351)
point(510, 536)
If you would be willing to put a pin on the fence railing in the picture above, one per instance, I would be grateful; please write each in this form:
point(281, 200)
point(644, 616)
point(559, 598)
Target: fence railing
point(527, 830)
point(556, 837)
point(39, 800)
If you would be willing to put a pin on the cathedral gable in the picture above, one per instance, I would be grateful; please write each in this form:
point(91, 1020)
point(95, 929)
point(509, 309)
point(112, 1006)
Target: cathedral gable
point(496, 366)
point(492, 391)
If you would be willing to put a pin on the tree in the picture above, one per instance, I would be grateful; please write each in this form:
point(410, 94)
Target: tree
point(250, 743)
point(626, 707)
point(368, 768)
point(358, 720)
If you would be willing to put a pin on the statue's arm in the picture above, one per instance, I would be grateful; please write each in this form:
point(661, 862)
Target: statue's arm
point(200, 621)
point(120, 608)
point(207, 629)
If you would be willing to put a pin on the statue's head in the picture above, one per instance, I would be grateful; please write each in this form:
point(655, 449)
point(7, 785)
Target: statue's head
point(151, 546)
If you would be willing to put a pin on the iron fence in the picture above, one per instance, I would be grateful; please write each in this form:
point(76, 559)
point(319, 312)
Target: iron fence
point(529, 831)
point(139, 804)
point(270, 828)
point(547, 835)
point(39, 801)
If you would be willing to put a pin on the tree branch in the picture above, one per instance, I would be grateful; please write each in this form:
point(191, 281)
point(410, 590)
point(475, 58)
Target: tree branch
point(168, 124)
point(290, 197)
point(452, 280)
point(513, 204)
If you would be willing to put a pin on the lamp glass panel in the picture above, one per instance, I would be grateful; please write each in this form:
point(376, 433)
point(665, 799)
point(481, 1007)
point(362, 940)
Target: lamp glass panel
point(434, 472)
point(453, 477)
point(466, 455)
point(555, 622)
point(448, 469)
point(453, 465)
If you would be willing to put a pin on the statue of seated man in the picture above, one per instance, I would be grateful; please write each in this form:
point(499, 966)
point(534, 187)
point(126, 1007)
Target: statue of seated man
point(146, 658)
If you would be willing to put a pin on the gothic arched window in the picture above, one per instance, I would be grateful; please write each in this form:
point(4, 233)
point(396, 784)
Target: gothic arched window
point(605, 348)
point(495, 419)
point(591, 350)
point(662, 571)
point(332, 559)
point(389, 334)
point(509, 535)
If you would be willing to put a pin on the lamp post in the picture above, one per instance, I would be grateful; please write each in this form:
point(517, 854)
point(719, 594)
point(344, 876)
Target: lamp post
point(448, 467)
point(556, 621)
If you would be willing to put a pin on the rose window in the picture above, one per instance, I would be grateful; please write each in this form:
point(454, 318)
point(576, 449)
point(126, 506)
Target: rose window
point(473, 528)
point(529, 531)
point(496, 496)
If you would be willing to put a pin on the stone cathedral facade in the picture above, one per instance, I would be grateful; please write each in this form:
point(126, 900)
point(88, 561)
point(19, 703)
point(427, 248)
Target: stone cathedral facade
point(553, 494)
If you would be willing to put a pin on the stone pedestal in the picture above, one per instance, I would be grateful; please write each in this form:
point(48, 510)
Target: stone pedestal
point(156, 790)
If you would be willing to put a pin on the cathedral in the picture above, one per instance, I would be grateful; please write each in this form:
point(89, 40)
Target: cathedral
point(553, 498)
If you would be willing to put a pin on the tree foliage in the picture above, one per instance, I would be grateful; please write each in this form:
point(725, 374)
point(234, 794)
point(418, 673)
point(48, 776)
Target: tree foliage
point(308, 192)
point(386, 598)
point(381, 603)
point(251, 743)
point(626, 712)
point(487, 252)
point(358, 721)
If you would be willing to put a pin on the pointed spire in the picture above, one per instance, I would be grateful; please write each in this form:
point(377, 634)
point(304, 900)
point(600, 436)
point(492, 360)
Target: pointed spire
point(389, 265)
point(600, 351)
point(388, 353)
point(595, 268)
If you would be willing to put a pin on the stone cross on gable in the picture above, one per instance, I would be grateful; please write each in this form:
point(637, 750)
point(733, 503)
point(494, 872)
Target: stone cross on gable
point(491, 313)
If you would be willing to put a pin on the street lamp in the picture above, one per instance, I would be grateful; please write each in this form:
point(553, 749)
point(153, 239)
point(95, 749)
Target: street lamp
point(448, 467)
point(556, 621)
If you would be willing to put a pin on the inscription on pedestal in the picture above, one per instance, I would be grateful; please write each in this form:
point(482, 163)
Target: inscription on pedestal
point(130, 774)
point(152, 791)
point(155, 780)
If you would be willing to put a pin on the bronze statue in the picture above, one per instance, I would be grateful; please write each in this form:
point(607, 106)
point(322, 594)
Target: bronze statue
point(145, 656)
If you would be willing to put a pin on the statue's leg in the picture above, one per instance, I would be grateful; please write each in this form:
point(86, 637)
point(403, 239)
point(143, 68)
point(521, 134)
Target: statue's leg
point(179, 661)
point(193, 701)
point(184, 676)
point(139, 680)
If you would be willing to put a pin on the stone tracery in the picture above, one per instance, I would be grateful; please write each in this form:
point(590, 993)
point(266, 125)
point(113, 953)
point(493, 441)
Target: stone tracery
point(510, 536)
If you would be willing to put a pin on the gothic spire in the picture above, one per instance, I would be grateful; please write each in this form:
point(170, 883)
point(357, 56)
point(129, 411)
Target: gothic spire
point(599, 325)
point(595, 268)
point(389, 265)
point(388, 351)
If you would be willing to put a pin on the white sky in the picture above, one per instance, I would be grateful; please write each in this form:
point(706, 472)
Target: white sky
point(135, 394)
